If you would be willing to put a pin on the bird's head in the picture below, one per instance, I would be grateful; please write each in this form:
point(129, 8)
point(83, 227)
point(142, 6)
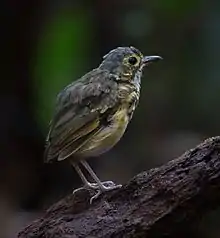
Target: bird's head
point(126, 62)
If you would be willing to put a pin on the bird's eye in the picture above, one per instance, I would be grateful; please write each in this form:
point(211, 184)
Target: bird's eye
point(132, 60)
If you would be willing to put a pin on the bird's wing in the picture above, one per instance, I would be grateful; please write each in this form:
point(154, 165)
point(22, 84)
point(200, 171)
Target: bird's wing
point(81, 109)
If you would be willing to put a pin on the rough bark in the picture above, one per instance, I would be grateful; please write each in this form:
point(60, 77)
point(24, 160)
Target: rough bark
point(162, 202)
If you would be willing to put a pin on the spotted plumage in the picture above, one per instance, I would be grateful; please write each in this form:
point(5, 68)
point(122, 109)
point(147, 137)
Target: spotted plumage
point(92, 113)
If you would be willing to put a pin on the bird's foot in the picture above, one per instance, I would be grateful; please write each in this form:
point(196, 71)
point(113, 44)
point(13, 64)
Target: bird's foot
point(106, 186)
point(97, 186)
point(77, 190)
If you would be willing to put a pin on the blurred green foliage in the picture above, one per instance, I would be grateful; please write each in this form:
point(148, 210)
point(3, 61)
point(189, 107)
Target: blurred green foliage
point(176, 9)
point(61, 54)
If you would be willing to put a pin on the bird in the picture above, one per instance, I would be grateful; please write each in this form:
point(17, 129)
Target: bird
point(92, 113)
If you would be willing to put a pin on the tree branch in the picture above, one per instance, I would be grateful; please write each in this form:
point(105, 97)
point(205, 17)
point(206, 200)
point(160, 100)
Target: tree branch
point(162, 202)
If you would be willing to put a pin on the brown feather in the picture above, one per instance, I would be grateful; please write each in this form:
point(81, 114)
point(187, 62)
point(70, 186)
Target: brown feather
point(78, 111)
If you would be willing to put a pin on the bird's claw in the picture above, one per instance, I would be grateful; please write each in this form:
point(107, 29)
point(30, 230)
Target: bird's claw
point(104, 188)
point(96, 186)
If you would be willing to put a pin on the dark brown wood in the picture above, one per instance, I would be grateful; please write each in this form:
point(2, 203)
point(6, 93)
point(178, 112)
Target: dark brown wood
point(162, 202)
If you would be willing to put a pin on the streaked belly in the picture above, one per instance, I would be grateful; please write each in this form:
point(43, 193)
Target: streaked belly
point(107, 137)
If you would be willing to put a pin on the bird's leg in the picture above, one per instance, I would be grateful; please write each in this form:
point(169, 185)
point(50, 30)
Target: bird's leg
point(101, 186)
point(82, 176)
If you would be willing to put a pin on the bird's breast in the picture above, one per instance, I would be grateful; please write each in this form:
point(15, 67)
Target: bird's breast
point(111, 133)
point(129, 95)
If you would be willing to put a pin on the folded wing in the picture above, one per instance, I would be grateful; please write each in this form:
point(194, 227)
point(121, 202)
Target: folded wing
point(82, 109)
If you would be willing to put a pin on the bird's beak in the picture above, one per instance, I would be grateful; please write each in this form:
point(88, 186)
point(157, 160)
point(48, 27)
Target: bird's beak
point(149, 59)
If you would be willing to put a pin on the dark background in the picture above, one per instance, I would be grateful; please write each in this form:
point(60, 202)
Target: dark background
point(47, 44)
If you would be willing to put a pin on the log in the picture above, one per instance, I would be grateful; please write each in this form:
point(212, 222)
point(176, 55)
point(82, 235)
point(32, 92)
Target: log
point(161, 202)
